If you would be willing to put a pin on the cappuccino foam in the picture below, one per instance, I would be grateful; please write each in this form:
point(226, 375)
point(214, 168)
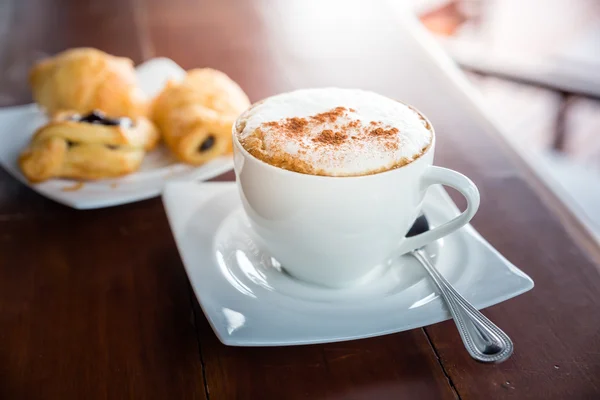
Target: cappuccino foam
point(333, 132)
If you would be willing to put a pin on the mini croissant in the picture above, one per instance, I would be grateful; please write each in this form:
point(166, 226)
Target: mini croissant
point(89, 147)
point(86, 79)
point(195, 115)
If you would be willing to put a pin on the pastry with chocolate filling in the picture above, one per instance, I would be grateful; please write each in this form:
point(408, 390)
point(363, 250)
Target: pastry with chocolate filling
point(87, 147)
point(195, 115)
point(85, 79)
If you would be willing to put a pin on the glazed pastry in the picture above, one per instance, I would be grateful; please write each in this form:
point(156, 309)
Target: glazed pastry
point(85, 79)
point(195, 115)
point(89, 147)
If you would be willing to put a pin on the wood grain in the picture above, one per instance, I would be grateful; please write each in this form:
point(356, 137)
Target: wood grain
point(399, 366)
point(96, 304)
point(93, 304)
point(555, 326)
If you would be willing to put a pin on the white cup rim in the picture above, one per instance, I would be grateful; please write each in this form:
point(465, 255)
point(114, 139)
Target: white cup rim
point(284, 171)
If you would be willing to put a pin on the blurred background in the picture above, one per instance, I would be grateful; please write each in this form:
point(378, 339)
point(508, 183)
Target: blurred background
point(537, 65)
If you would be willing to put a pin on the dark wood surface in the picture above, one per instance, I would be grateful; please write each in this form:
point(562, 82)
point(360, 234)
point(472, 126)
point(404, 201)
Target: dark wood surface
point(96, 304)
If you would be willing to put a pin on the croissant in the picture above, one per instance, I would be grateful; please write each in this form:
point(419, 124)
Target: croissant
point(89, 147)
point(85, 79)
point(195, 115)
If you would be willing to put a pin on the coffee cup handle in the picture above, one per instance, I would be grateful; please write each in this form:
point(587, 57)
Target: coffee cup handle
point(438, 175)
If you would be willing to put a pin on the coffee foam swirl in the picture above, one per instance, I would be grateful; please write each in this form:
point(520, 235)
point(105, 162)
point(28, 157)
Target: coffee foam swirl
point(334, 132)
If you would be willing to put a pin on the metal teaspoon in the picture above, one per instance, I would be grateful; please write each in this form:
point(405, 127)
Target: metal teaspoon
point(484, 341)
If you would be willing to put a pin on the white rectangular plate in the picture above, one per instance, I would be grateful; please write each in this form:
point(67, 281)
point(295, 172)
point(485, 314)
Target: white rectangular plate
point(17, 125)
point(249, 301)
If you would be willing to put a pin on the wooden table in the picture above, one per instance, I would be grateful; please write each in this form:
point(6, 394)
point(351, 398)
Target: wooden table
point(96, 304)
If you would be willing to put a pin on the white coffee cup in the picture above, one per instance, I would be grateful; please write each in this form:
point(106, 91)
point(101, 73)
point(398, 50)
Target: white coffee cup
point(336, 231)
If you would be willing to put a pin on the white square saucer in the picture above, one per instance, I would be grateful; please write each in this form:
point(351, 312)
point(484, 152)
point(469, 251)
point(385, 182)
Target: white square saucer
point(17, 125)
point(250, 301)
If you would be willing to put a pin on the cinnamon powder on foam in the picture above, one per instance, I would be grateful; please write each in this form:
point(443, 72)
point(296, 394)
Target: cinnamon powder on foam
point(297, 127)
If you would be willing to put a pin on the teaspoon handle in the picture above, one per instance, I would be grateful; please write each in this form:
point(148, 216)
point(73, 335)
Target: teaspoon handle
point(484, 341)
